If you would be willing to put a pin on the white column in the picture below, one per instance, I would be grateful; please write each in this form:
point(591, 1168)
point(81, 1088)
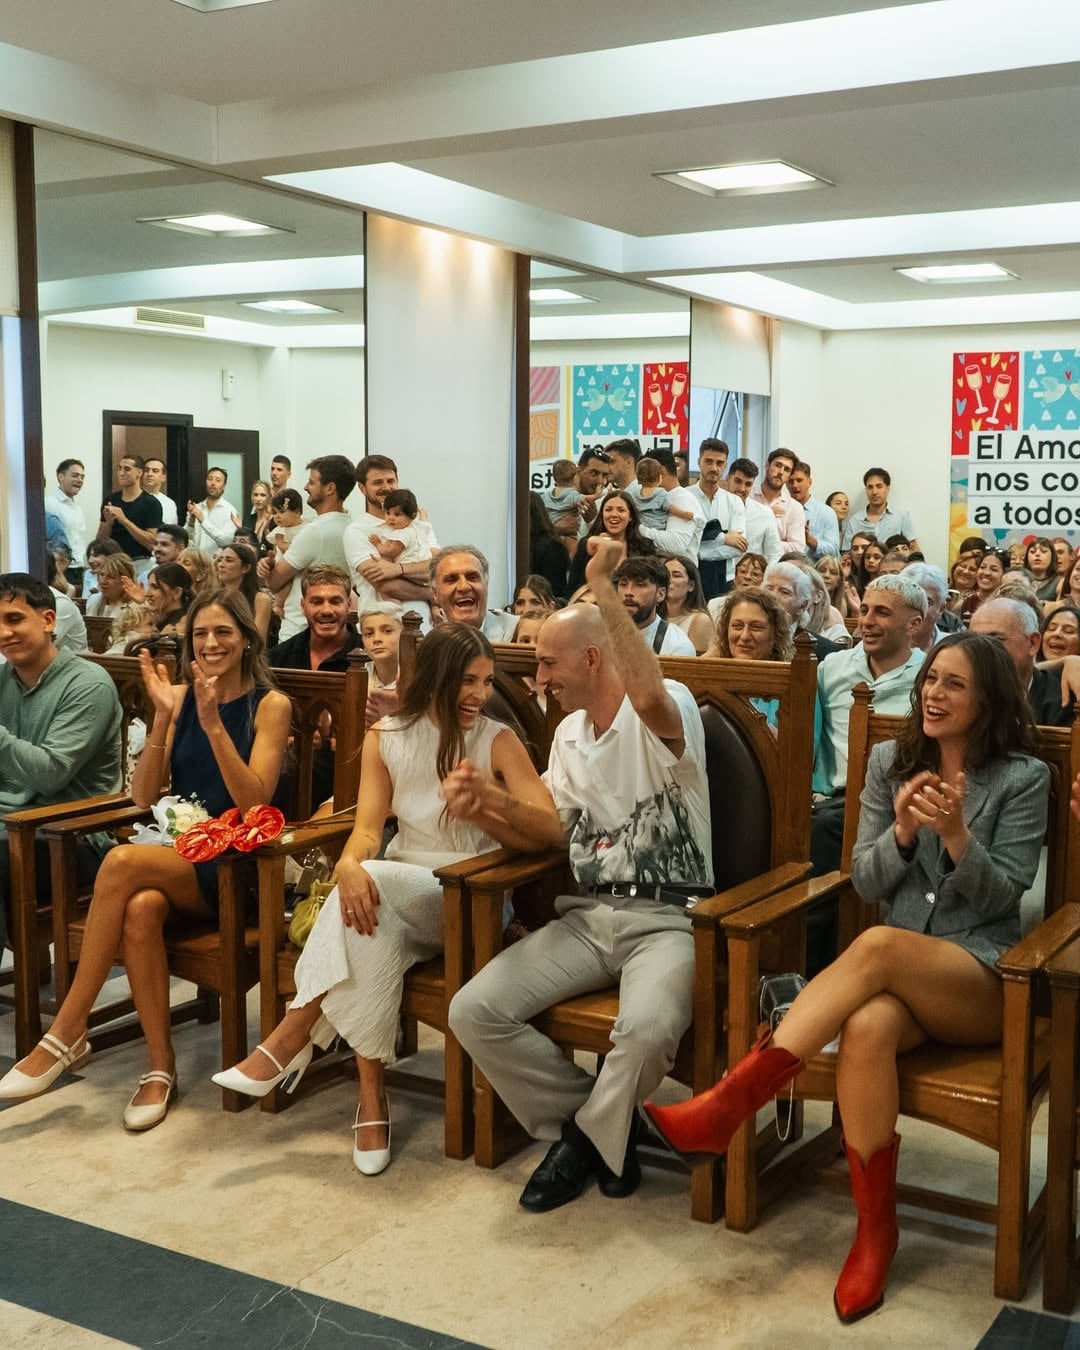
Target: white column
point(439, 347)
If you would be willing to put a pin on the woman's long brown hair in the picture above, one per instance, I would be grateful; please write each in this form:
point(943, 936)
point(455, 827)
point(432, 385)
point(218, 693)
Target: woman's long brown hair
point(441, 659)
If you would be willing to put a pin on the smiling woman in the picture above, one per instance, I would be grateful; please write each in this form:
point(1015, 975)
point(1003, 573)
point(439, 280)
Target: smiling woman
point(459, 784)
point(222, 733)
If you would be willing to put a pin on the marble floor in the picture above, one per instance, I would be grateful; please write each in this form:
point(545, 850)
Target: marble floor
point(222, 1230)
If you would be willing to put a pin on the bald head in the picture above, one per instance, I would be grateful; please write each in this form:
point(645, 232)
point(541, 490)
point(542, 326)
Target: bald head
point(577, 626)
point(573, 659)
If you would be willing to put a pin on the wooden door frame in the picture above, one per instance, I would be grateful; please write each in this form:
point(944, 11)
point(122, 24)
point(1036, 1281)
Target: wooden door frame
point(112, 417)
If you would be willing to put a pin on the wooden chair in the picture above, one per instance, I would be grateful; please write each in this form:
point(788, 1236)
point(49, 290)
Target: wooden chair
point(98, 633)
point(760, 800)
point(221, 960)
point(1061, 1254)
point(31, 915)
point(988, 1094)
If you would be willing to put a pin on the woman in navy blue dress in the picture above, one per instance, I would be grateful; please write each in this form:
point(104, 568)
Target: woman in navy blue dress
point(223, 734)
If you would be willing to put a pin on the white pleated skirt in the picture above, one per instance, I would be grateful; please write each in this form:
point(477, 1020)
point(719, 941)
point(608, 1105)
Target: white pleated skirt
point(362, 977)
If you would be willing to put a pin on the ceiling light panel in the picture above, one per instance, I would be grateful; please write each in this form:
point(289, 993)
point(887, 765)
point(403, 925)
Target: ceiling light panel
point(555, 295)
point(212, 6)
point(289, 307)
point(740, 180)
point(957, 273)
point(216, 224)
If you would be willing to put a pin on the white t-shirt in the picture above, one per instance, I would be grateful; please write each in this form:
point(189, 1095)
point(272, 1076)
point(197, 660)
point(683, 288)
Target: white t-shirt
point(680, 536)
point(319, 541)
point(168, 508)
point(358, 548)
point(632, 811)
point(675, 642)
point(414, 549)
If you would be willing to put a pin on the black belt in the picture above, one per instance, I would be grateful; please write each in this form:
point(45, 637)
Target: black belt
point(668, 892)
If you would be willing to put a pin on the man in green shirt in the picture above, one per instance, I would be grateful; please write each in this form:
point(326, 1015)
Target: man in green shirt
point(59, 717)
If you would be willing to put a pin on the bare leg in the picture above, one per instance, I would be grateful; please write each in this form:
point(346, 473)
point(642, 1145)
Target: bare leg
point(127, 871)
point(950, 995)
point(286, 1040)
point(372, 1103)
point(867, 1088)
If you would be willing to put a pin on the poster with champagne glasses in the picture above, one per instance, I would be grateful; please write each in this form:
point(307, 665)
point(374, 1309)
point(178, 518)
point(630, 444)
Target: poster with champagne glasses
point(571, 407)
point(1015, 448)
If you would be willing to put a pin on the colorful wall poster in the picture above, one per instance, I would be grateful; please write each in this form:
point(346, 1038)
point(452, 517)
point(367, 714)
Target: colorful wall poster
point(1015, 446)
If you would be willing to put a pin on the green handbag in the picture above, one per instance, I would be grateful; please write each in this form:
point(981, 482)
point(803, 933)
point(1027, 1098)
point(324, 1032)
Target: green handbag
point(307, 911)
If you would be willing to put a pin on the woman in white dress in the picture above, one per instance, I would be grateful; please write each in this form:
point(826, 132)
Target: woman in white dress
point(459, 785)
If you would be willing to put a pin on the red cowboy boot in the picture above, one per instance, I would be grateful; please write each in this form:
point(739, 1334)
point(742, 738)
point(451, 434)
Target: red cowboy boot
point(861, 1287)
point(706, 1123)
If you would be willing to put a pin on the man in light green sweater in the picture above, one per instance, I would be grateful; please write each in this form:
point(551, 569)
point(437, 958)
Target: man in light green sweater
point(59, 718)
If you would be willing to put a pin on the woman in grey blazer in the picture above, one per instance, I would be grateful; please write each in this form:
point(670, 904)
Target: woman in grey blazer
point(952, 818)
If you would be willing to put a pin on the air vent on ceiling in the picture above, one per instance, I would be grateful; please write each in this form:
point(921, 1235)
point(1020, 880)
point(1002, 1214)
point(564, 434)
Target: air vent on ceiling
point(170, 318)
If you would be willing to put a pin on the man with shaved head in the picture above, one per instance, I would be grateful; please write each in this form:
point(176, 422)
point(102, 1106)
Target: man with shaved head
point(627, 774)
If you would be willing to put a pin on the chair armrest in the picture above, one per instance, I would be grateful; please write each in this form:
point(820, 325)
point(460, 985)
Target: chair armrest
point(469, 867)
point(307, 834)
point(710, 911)
point(524, 868)
point(95, 821)
point(752, 919)
point(39, 816)
point(1042, 944)
point(1063, 969)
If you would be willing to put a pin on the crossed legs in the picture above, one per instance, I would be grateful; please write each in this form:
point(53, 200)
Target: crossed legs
point(890, 990)
point(137, 887)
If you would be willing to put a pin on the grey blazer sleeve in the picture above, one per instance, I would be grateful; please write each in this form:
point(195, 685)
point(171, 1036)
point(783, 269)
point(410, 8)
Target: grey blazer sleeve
point(877, 867)
point(994, 873)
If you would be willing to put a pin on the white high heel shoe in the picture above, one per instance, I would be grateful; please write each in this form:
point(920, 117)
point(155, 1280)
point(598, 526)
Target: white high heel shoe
point(139, 1118)
point(16, 1086)
point(371, 1161)
point(289, 1074)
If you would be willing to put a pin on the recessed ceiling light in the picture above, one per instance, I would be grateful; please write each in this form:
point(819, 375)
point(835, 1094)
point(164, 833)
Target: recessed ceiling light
point(957, 272)
point(728, 180)
point(554, 295)
point(289, 307)
point(215, 223)
point(211, 6)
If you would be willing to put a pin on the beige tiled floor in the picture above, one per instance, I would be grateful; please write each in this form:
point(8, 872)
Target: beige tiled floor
point(444, 1245)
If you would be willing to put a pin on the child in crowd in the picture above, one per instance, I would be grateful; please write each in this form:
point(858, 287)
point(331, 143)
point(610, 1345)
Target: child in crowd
point(653, 503)
point(288, 511)
point(528, 625)
point(399, 540)
point(562, 501)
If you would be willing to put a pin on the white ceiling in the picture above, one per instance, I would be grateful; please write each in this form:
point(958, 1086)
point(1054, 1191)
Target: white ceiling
point(540, 127)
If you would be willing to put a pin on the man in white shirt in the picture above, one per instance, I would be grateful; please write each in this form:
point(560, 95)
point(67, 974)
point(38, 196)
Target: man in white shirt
point(330, 480)
point(762, 535)
point(822, 526)
point(723, 539)
point(70, 476)
point(773, 493)
point(641, 584)
point(409, 583)
point(153, 480)
point(627, 775)
point(681, 537)
point(623, 456)
point(213, 521)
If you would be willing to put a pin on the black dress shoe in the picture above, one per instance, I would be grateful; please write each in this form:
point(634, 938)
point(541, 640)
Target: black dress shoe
point(568, 1167)
point(616, 1188)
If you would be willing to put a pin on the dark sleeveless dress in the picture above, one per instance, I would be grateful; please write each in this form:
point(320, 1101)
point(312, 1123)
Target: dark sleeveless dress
point(195, 772)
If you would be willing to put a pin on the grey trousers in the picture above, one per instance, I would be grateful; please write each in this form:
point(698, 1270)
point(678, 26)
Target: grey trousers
point(648, 950)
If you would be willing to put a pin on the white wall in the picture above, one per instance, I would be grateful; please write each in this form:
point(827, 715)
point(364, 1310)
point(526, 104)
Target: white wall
point(439, 338)
point(846, 401)
point(608, 352)
point(303, 402)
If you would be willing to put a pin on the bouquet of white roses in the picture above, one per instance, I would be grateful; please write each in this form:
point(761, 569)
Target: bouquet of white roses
point(172, 816)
